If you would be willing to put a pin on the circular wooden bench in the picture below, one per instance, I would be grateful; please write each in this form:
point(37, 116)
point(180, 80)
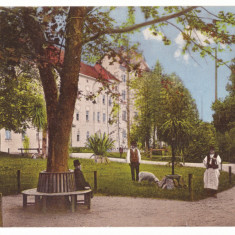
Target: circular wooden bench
point(42, 196)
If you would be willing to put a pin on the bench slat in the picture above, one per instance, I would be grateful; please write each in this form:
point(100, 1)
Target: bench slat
point(34, 192)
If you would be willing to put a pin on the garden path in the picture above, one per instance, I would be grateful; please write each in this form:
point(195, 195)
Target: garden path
point(127, 212)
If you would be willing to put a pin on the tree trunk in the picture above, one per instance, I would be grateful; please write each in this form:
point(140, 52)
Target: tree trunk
point(154, 136)
point(39, 142)
point(60, 125)
point(44, 142)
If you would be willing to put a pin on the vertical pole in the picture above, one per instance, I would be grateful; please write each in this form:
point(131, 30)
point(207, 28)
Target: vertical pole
point(230, 174)
point(18, 181)
point(190, 176)
point(173, 159)
point(95, 181)
point(1, 221)
point(8, 150)
point(128, 109)
point(73, 203)
point(215, 74)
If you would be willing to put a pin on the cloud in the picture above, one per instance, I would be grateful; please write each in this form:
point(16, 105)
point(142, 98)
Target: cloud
point(178, 53)
point(180, 41)
point(186, 57)
point(197, 36)
point(148, 35)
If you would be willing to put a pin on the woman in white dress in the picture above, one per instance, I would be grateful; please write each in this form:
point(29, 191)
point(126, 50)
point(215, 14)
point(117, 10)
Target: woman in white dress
point(211, 176)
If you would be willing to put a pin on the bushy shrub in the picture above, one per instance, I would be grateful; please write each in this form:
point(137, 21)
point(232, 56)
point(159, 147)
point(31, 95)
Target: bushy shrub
point(26, 143)
point(100, 144)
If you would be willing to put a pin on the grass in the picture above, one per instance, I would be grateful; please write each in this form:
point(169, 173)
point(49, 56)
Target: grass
point(113, 178)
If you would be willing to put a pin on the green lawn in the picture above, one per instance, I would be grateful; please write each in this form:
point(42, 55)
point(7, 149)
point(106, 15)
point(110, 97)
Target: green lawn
point(113, 178)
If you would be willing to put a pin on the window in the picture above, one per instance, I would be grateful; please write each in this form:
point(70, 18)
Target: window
point(110, 101)
point(23, 135)
point(124, 77)
point(103, 99)
point(98, 116)
point(124, 95)
point(77, 116)
point(87, 134)
point(37, 136)
point(124, 115)
point(8, 135)
point(87, 116)
point(104, 117)
point(78, 136)
point(93, 116)
point(124, 134)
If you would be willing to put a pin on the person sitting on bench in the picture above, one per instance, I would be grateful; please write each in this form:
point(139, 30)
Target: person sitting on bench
point(80, 181)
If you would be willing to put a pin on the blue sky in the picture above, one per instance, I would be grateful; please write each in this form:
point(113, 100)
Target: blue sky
point(198, 77)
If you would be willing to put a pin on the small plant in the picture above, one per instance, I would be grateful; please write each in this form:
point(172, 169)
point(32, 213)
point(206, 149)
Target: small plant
point(100, 144)
point(26, 143)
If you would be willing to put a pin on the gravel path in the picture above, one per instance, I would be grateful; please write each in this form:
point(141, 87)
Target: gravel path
point(127, 212)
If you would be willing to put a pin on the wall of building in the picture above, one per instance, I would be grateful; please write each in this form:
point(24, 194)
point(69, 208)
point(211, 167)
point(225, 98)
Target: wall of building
point(16, 140)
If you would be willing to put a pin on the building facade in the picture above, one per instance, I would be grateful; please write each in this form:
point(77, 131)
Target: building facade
point(90, 116)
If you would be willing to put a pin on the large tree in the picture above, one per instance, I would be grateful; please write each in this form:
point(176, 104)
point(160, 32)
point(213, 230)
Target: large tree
point(28, 34)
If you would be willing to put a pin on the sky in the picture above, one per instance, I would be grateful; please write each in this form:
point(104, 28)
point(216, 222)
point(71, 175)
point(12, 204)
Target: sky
point(198, 77)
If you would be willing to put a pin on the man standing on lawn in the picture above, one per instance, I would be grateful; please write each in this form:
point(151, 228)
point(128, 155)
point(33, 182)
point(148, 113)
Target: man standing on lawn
point(211, 175)
point(133, 158)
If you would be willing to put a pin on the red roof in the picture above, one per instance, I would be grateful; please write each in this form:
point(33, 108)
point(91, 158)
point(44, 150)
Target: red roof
point(88, 70)
point(103, 73)
point(57, 57)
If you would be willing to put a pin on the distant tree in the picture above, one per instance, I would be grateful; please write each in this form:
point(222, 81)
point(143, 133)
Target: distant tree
point(17, 94)
point(224, 119)
point(203, 136)
point(178, 115)
point(146, 89)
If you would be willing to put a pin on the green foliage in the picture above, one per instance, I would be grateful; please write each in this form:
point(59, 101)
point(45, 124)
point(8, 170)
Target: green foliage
point(80, 150)
point(26, 143)
point(203, 136)
point(38, 113)
point(100, 144)
point(224, 120)
point(166, 105)
point(147, 94)
point(17, 96)
point(178, 113)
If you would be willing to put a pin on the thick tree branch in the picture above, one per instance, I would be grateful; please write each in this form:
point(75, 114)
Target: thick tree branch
point(137, 26)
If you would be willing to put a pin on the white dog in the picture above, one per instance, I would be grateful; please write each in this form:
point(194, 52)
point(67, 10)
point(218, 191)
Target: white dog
point(150, 177)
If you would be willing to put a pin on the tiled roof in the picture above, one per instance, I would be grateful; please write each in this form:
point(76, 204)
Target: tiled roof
point(104, 73)
point(88, 70)
point(56, 55)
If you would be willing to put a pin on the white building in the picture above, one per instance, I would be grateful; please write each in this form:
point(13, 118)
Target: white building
point(89, 117)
